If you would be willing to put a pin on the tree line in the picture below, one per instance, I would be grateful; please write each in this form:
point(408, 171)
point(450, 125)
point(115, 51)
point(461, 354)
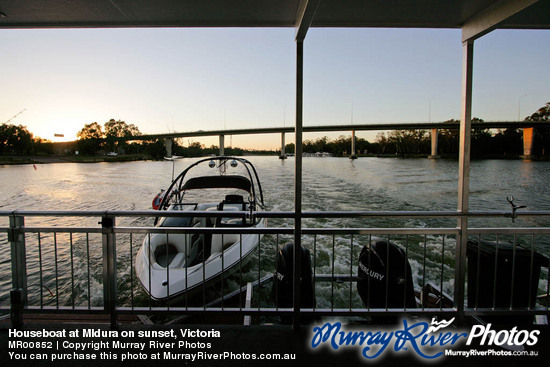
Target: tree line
point(485, 142)
point(115, 136)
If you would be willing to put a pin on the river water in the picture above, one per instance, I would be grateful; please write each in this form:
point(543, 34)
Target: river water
point(329, 184)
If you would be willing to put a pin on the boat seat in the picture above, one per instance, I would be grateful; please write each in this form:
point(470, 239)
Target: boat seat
point(236, 201)
point(221, 242)
point(177, 260)
point(165, 254)
point(231, 221)
point(201, 244)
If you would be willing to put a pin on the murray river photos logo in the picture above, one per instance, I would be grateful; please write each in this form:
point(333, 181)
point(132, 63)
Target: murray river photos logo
point(425, 340)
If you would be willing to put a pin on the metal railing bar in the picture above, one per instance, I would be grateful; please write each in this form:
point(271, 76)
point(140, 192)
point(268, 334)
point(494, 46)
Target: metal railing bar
point(202, 230)
point(65, 310)
point(131, 272)
point(270, 214)
point(508, 230)
point(187, 272)
point(350, 271)
point(314, 269)
point(167, 270)
point(272, 311)
point(56, 271)
point(335, 277)
point(204, 269)
point(495, 277)
point(89, 276)
point(531, 267)
point(478, 270)
point(368, 277)
point(379, 231)
point(150, 265)
point(442, 270)
point(289, 311)
point(548, 286)
point(61, 229)
point(223, 270)
point(41, 272)
point(332, 272)
point(306, 231)
point(73, 296)
point(240, 269)
point(405, 271)
point(506, 311)
point(276, 289)
point(424, 265)
point(287, 231)
point(514, 263)
point(259, 268)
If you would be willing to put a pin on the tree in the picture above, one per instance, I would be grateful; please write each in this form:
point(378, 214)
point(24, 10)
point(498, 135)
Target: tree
point(15, 139)
point(408, 141)
point(90, 138)
point(383, 142)
point(91, 131)
point(541, 144)
point(542, 114)
point(448, 139)
point(115, 130)
point(156, 148)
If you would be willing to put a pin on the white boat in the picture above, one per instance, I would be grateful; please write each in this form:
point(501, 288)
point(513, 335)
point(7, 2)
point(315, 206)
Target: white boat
point(168, 265)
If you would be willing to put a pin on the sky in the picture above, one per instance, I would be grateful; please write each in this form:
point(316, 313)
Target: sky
point(187, 79)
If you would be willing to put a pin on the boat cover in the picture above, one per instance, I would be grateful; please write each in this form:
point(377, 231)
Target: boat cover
point(215, 182)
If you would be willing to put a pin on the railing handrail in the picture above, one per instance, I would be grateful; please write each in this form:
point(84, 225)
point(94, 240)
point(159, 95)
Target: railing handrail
point(270, 214)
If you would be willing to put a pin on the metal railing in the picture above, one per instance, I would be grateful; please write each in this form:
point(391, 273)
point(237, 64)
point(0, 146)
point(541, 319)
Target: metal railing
point(67, 268)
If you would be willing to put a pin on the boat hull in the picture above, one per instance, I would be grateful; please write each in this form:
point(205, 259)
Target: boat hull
point(168, 282)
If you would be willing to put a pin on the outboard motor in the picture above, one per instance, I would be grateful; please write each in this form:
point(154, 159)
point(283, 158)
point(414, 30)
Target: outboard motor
point(384, 266)
point(282, 291)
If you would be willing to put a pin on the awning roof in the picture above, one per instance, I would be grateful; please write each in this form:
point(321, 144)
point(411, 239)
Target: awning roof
point(257, 13)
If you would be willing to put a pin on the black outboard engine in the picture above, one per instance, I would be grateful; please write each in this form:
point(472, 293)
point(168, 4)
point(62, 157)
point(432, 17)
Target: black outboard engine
point(383, 267)
point(282, 291)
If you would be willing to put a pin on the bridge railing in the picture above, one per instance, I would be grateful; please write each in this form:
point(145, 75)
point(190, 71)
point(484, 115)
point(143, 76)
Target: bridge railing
point(83, 262)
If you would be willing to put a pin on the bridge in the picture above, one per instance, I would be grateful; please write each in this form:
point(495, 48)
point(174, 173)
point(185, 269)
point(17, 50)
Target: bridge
point(527, 126)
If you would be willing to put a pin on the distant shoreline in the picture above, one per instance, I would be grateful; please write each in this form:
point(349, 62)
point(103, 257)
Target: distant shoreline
point(22, 160)
point(16, 160)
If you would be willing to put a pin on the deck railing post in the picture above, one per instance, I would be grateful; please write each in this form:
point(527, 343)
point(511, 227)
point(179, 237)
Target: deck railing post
point(18, 294)
point(109, 268)
point(298, 182)
point(464, 177)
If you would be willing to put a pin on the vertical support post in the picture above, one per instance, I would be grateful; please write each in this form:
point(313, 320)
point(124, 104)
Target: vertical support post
point(298, 180)
point(464, 175)
point(168, 146)
point(434, 137)
point(18, 294)
point(109, 268)
point(528, 139)
point(283, 152)
point(305, 15)
point(353, 153)
point(222, 146)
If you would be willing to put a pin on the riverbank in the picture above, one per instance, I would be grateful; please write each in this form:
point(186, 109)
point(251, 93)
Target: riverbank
point(11, 160)
point(14, 160)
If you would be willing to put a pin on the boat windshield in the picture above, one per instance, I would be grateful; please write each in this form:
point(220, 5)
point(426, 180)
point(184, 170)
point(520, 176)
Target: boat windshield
point(175, 222)
point(178, 221)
